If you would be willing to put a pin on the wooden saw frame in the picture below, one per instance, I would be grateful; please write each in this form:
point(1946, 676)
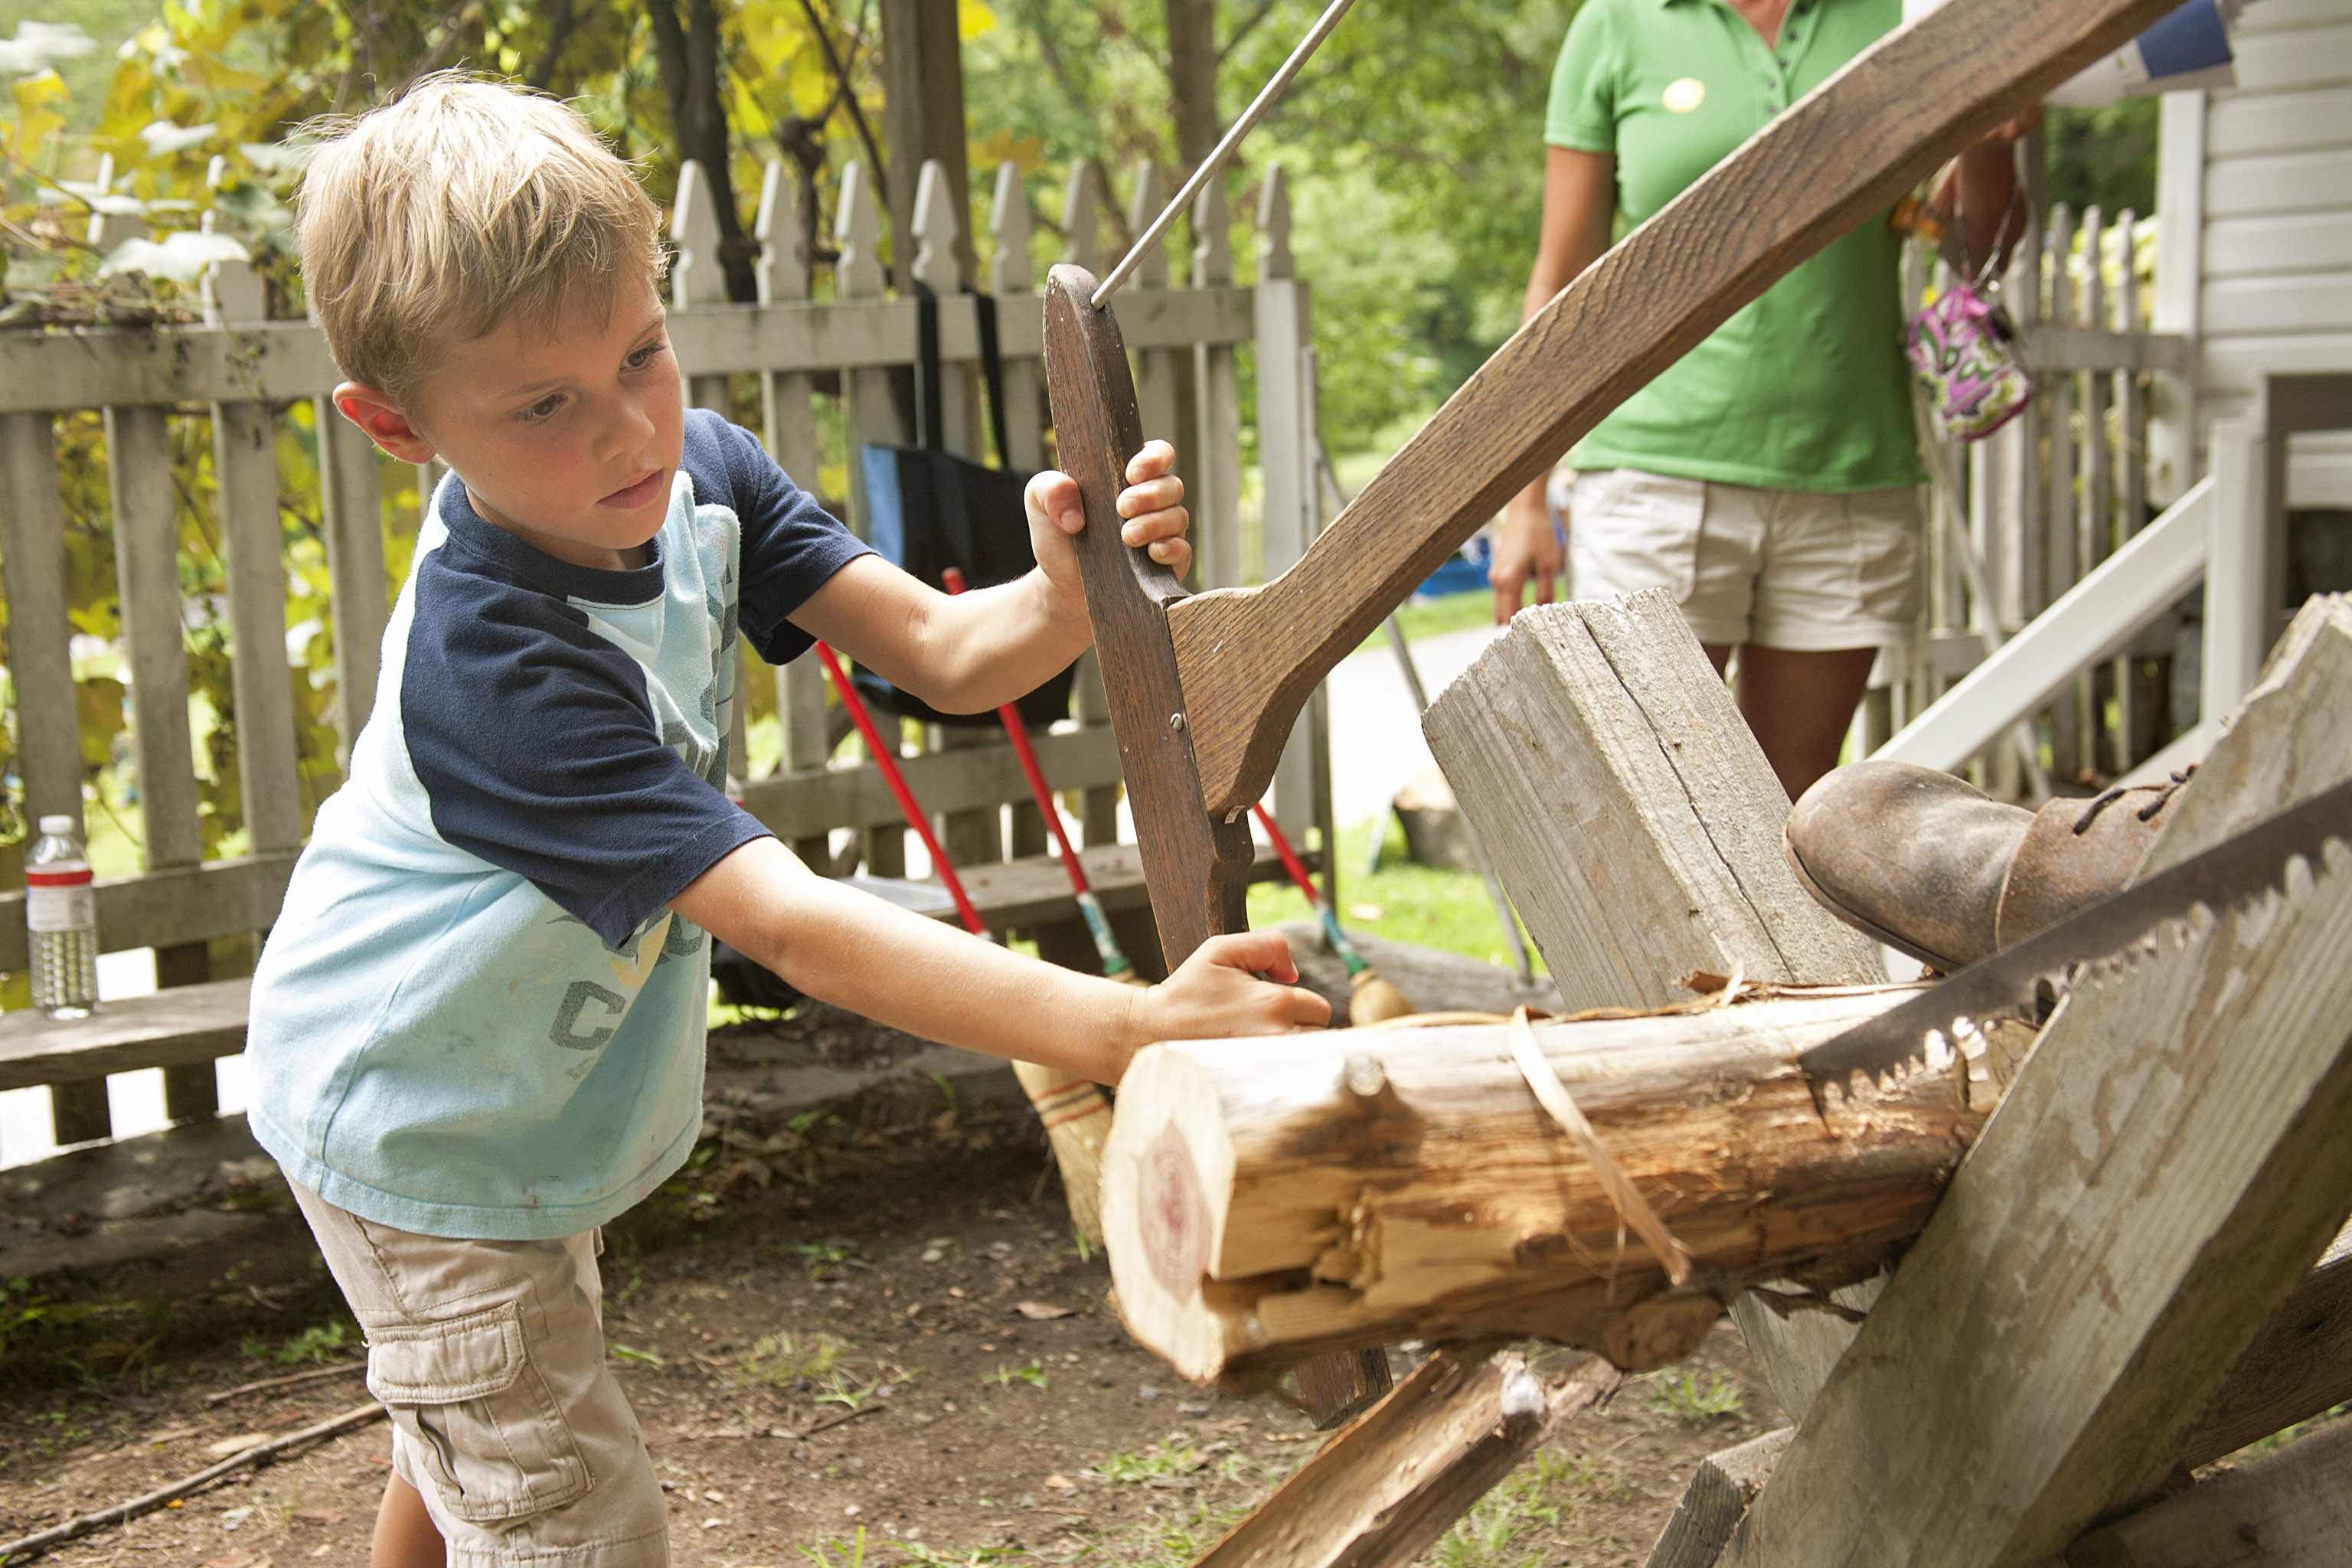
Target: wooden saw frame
point(1204, 688)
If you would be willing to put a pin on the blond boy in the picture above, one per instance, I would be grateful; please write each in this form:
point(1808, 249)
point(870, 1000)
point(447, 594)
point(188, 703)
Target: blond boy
point(478, 1023)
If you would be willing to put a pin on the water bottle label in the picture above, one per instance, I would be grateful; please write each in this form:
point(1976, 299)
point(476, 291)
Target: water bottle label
point(68, 908)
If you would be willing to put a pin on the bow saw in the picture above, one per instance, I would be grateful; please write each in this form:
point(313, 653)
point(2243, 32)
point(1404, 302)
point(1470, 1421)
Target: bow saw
point(1204, 687)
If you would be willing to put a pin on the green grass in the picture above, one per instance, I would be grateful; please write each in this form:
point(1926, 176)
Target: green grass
point(779, 1359)
point(1679, 1394)
point(1428, 906)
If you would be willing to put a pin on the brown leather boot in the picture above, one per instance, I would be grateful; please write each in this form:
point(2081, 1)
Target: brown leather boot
point(1925, 863)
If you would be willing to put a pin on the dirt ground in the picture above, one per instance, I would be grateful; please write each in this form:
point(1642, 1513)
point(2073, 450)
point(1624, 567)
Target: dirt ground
point(908, 1362)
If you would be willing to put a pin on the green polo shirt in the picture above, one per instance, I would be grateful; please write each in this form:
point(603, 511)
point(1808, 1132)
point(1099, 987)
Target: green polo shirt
point(1805, 388)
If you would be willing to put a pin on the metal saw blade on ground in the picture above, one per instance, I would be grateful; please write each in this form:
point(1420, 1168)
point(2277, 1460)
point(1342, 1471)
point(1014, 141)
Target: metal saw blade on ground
point(2012, 983)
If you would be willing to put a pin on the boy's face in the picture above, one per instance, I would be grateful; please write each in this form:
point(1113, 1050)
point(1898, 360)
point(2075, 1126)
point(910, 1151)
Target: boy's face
point(567, 438)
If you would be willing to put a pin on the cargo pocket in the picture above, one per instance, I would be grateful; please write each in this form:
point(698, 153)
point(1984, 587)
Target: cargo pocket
point(486, 1430)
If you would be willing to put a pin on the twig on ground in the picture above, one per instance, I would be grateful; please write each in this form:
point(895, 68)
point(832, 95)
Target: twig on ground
point(260, 1454)
point(845, 1416)
point(313, 1376)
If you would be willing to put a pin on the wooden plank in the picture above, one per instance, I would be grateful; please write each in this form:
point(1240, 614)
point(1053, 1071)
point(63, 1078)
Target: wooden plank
point(1216, 495)
point(2054, 346)
point(167, 909)
point(360, 605)
point(2161, 1173)
point(2281, 302)
point(40, 667)
point(2274, 753)
point(2298, 1366)
point(2288, 1509)
point(1195, 863)
point(104, 367)
point(1721, 1487)
point(1036, 890)
point(183, 1025)
point(2313, 56)
point(1384, 1489)
point(244, 470)
point(802, 804)
point(1630, 814)
point(1796, 1348)
point(147, 576)
point(1250, 659)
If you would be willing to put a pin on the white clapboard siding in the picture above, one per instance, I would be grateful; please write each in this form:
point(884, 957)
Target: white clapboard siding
point(2242, 127)
point(2298, 242)
point(2267, 267)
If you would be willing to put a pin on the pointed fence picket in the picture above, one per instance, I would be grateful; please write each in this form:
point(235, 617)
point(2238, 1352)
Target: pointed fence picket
point(825, 376)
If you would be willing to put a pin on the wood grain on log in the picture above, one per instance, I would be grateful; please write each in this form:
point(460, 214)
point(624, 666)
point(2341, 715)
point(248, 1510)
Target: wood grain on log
point(1268, 1200)
point(1840, 156)
point(2288, 1509)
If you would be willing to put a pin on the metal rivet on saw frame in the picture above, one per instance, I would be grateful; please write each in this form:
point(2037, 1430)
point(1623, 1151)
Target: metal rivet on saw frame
point(1176, 721)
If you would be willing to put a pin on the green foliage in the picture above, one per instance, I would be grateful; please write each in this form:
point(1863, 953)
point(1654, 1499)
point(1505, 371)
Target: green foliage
point(1034, 1374)
point(782, 1358)
point(1680, 1394)
point(1428, 906)
point(2104, 157)
point(332, 1340)
point(1169, 1459)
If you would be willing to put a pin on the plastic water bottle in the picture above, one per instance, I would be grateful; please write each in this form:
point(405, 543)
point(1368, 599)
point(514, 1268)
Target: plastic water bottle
point(61, 918)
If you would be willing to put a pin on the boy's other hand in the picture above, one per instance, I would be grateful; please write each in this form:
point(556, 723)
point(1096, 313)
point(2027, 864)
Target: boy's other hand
point(1152, 506)
point(1217, 992)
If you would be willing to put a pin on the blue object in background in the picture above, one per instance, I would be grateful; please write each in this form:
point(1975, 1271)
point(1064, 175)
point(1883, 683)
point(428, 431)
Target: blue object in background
point(1464, 571)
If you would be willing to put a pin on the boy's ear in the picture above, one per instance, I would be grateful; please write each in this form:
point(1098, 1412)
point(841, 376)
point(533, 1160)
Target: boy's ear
point(382, 421)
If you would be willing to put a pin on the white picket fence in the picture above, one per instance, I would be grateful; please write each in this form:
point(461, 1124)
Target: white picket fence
point(240, 374)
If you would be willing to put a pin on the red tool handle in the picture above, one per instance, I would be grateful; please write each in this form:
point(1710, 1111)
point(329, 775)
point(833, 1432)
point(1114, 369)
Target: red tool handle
point(1017, 732)
point(887, 759)
point(1289, 856)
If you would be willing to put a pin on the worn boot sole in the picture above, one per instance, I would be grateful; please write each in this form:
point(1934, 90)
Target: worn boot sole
point(1860, 923)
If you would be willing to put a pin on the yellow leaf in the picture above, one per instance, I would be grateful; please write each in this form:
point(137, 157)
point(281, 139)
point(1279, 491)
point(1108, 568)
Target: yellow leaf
point(973, 18)
point(1024, 153)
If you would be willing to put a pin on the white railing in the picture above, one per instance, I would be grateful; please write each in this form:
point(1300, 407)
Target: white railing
point(2228, 532)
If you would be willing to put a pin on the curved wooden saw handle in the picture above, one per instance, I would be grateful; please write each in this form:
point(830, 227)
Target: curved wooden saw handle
point(1196, 867)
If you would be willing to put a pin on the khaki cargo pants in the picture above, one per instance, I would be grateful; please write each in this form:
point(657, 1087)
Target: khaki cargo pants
point(491, 1357)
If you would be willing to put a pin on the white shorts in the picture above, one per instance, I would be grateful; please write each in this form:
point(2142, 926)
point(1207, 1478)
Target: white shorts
point(1780, 569)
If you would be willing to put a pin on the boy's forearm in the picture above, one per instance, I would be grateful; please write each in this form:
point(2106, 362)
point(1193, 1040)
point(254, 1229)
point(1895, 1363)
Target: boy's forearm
point(855, 951)
point(979, 650)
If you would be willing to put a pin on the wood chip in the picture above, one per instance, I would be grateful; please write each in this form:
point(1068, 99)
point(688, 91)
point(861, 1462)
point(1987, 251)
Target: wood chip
point(236, 1444)
point(1042, 1312)
point(1061, 1483)
point(1632, 1207)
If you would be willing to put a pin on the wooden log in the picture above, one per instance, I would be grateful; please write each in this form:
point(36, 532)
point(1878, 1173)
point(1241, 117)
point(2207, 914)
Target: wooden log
point(1719, 1492)
point(1630, 812)
point(1271, 1199)
point(2165, 1169)
point(2288, 1509)
point(2299, 1365)
point(1379, 1493)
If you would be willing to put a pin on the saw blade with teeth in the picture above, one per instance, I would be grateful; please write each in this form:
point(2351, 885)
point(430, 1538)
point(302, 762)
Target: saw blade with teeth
point(2025, 983)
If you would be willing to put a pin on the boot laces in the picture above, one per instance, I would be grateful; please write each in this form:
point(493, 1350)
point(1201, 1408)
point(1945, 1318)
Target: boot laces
point(2159, 796)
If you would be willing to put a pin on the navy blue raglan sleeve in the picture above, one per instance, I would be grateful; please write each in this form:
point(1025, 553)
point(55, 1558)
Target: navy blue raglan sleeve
point(536, 744)
point(791, 546)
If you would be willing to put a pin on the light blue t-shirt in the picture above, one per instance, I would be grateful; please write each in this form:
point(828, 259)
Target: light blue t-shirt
point(475, 1015)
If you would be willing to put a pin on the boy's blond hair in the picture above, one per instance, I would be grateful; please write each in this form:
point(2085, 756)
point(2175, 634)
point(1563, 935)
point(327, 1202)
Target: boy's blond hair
point(464, 205)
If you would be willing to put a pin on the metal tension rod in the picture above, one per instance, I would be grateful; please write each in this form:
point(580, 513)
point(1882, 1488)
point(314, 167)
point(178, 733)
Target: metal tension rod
point(1222, 150)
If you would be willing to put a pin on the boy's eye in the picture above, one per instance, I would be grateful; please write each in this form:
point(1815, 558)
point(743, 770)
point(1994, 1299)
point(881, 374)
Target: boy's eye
point(646, 355)
point(544, 407)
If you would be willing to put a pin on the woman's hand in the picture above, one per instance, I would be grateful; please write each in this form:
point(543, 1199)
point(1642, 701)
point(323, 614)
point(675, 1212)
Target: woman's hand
point(1152, 505)
point(1526, 551)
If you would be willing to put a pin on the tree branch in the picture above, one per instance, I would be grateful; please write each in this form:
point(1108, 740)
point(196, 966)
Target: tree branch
point(848, 94)
point(1248, 25)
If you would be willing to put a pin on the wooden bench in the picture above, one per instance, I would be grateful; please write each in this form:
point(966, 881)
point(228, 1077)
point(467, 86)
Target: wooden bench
point(189, 1026)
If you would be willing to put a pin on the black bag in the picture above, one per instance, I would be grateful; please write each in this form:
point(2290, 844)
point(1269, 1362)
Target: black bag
point(928, 509)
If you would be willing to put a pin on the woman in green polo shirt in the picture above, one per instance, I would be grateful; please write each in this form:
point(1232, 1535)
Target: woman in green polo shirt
point(1770, 478)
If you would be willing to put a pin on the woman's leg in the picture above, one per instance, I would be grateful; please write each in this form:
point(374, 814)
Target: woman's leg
point(404, 1535)
point(1799, 704)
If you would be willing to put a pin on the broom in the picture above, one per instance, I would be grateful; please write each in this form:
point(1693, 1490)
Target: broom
point(1077, 1117)
point(1372, 999)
